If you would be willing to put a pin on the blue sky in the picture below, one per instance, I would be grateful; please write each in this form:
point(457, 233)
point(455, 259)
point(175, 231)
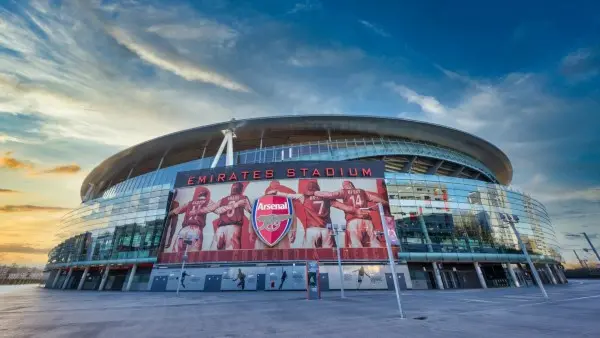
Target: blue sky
point(80, 81)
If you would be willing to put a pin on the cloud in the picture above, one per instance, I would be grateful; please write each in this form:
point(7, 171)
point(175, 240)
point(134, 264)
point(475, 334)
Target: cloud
point(63, 169)
point(200, 29)
point(119, 74)
point(582, 64)
point(548, 192)
point(23, 249)
point(4, 138)
point(29, 208)
point(11, 163)
point(428, 104)
point(305, 6)
point(376, 29)
point(174, 63)
point(8, 191)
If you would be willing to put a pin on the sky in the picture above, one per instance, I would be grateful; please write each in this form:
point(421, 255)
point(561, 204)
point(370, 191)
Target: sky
point(82, 80)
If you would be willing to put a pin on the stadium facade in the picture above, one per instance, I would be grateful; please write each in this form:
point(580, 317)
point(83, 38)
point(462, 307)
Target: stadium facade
point(246, 204)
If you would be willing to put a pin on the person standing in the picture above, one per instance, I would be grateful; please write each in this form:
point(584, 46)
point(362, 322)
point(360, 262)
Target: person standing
point(283, 278)
point(241, 277)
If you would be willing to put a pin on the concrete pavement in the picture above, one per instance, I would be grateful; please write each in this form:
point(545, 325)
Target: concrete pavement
point(572, 312)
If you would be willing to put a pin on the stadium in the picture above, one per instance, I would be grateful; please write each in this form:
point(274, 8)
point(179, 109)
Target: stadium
point(245, 204)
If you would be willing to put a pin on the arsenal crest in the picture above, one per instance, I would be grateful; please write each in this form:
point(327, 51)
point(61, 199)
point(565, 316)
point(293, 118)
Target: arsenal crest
point(272, 218)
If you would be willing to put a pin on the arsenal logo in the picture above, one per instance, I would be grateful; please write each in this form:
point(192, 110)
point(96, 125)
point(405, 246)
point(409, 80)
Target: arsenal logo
point(272, 218)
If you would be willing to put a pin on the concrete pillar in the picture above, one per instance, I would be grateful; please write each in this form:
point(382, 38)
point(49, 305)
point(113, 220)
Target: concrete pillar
point(438, 276)
point(512, 274)
point(560, 274)
point(82, 280)
point(559, 279)
point(130, 278)
point(480, 275)
point(56, 278)
point(104, 278)
point(551, 274)
point(66, 281)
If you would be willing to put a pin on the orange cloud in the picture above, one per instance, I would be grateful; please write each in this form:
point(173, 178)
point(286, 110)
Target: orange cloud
point(26, 236)
point(8, 191)
point(29, 208)
point(23, 249)
point(9, 162)
point(63, 169)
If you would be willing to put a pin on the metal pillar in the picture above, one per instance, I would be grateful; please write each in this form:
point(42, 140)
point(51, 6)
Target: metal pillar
point(88, 192)
point(579, 259)
point(391, 261)
point(408, 166)
point(82, 280)
point(433, 170)
point(592, 246)
point(337, 228)
point(104, 278)
point(130, 172)
point(158, 168)
point(480, 275)
point(185, 258)
point(438, 276)
point(56, 279)
point(228, 135)
point(424, 230)
point(229, 158)
point(512, 274)
point(552, 278)
point(531, 265)
point(130, 278)
point(64, 284)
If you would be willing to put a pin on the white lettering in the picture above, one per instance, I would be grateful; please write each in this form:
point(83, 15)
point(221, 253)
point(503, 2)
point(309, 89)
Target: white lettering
point(283, 206)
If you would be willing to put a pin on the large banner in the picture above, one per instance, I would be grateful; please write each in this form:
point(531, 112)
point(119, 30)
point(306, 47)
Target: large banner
point(284, 211)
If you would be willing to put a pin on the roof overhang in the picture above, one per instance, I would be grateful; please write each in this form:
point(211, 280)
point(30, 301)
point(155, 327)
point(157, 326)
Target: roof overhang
point(188, 144)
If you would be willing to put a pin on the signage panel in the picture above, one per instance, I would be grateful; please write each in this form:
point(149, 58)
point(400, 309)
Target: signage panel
point(280, 219)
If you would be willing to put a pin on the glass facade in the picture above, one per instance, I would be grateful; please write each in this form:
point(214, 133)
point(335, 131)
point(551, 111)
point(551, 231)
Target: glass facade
point(452, 215)
point(434, 213)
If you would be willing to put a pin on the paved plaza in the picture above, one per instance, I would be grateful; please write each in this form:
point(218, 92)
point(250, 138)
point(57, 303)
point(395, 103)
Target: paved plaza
point(573, 311)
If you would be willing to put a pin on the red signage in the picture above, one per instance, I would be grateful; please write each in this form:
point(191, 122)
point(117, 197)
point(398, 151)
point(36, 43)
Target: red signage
point(272, 218)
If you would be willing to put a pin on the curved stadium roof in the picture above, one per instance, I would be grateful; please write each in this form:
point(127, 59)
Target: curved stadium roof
point(188, 145)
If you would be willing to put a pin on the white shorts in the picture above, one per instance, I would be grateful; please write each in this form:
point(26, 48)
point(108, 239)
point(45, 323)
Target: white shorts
point(316, 237)
point(360, 234)
point(227, 237)
point(189, 232)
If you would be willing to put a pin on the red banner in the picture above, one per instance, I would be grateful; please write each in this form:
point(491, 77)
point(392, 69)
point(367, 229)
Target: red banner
point(270, 255)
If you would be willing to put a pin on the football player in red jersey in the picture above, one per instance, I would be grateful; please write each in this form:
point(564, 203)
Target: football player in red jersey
point(318, 216)
point(228, 234)
point(194, 219)
point(172, 222)
point(359, 225)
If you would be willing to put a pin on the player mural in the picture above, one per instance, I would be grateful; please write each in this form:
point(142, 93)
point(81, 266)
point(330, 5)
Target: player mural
point(279, 218)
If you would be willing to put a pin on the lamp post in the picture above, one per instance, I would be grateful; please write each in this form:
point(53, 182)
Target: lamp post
point(390, 257)
point(187, 241)
point(511, 220)
point(337, 228)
